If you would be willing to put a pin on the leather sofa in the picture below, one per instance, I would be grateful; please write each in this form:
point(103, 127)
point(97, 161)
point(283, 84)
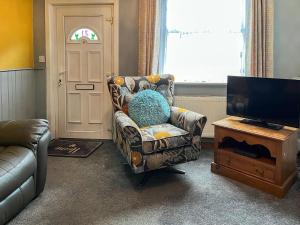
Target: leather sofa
point(23, 164)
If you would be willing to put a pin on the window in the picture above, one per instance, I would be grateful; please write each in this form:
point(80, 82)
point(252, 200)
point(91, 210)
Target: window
point(205, 40)
point(84, 33)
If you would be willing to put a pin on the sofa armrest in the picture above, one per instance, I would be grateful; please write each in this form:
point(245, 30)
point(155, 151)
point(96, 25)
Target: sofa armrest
point(190, 121)
point(129, 129)
point(31, 134)
point(42, 161)
point(26, 133)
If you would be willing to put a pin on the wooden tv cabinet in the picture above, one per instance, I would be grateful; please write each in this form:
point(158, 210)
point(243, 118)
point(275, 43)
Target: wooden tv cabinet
point(274, 174)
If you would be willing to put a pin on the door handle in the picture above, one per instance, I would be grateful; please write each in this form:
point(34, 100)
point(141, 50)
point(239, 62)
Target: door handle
point(60, 78)
point(59, 83)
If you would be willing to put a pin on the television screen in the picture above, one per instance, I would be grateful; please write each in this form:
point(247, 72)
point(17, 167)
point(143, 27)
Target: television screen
point(265, 99)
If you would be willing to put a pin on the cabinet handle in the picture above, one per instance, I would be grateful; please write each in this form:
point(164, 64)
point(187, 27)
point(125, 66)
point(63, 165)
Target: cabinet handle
point(228, 161)
point(260, 172)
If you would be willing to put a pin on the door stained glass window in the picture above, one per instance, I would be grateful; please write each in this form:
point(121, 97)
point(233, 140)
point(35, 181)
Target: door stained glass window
point(84, 33)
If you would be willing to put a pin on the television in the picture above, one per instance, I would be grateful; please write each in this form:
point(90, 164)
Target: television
point(266, 102)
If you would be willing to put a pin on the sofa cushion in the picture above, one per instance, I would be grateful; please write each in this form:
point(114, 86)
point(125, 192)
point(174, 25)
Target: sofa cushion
point(17, 200)
point(17, 164)
point(160, 137)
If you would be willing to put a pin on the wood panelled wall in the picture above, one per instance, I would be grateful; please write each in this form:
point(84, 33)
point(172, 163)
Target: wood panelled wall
point(41, 96)
point(17, 94)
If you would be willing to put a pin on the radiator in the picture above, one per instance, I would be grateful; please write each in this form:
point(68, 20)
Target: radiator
point(214, 108)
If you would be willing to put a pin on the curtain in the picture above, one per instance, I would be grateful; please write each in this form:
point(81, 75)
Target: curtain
point(260, 42)
point(152, 26)
point(147, 28)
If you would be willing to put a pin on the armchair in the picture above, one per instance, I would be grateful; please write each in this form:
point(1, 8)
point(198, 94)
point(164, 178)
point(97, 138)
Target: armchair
point(157, 146)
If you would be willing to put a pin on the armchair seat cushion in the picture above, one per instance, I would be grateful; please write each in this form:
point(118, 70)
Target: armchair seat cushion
point(157, 138)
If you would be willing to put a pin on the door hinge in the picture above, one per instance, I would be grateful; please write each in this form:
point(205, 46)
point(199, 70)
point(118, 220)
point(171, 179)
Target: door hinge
point(110, 19)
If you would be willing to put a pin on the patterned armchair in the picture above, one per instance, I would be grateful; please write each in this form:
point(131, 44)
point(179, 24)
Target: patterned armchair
point(158, 146)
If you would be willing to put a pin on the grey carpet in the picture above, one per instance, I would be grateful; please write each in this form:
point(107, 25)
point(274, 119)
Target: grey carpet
point(100, 190)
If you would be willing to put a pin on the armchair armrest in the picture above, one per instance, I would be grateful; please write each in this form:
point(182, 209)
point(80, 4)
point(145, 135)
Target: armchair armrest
point(129, 129)
point(190, 121)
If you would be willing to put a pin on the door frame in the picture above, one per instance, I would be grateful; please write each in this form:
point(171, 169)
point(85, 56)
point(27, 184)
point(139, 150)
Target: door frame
point(51, 53)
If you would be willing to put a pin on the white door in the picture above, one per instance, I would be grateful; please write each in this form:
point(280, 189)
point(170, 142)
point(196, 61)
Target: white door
point(85, 57)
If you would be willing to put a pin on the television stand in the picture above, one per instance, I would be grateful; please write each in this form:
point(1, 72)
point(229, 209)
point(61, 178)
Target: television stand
point(271, 164)
point(261, 123)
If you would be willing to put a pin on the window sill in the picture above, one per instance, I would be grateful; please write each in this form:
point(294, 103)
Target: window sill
point(200, 89)
point(200, 84)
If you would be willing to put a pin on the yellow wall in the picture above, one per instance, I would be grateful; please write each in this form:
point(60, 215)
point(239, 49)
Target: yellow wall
point(16, 43)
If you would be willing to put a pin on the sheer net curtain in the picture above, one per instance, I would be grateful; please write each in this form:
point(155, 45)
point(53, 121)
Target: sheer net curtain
point(152, 26)
point(260, 40)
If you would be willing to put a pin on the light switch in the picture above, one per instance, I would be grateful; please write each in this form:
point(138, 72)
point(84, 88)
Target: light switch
point(42, 59)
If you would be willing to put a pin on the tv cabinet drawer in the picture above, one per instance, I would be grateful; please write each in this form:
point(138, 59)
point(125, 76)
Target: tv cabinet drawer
point(247, 165)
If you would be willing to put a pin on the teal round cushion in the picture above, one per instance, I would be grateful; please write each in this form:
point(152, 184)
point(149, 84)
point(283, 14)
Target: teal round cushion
point(148, 108)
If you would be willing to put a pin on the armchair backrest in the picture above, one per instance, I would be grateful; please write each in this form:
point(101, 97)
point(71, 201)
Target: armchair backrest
point(122, 88)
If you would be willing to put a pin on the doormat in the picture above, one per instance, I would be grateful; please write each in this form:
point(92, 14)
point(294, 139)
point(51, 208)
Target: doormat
point(73, 147)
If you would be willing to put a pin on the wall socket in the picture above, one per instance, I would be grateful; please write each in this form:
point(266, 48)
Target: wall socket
point(42, 59)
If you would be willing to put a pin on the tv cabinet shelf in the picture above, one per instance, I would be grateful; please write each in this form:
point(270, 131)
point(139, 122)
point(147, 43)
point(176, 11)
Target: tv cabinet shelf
point(273, 172)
